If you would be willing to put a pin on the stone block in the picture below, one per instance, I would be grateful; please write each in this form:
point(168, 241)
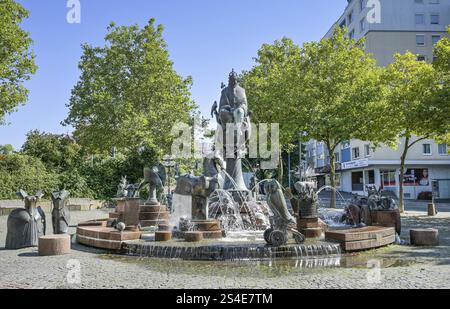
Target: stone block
point(161, 236)
point(155, 208)
point(390, 218)
point(312, 232)
point(424, 237)
point(308, 223)
point(193, 236)
point(131, 213)
point(54, 245)
point(154, 215)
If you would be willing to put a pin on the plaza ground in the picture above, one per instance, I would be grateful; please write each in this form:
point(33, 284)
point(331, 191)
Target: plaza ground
point(402, 266)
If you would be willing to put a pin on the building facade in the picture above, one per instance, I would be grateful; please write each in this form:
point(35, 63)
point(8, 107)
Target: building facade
point(389, 27)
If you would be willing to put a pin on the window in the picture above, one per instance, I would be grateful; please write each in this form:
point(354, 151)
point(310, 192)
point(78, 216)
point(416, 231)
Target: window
point(388, 178)
point(434, 1)
point(358, 181)
point(367, 150)
point(343, 23)
point(369, 177)
point(426, 149)
point(361, 5)
point(350, 18)
point(355, 153)
point(420, 40)
point(420, 19)
point(337, 157)
point(443, 150)
point(435, 39)
point(418, 1)
point(421, 58)
point(434, 19)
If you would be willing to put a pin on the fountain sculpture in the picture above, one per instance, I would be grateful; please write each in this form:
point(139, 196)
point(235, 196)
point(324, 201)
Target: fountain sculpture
point(26, 225)
point(218, 207)
point(234, 122)
point(60, 213)
point(282, 221)
point(306, 206)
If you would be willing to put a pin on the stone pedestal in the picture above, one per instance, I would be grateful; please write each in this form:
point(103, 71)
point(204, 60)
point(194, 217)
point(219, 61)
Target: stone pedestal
point(54, 245)
point(153, 215)
point(310, 227)
point(208, 229)
point(131, 212)
point(365, 238)
point(390, 218)
point(193, 236)
point(161, 236)
point(164, 228)
point(424, 237)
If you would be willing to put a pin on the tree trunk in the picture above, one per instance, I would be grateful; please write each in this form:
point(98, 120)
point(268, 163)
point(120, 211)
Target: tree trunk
point(402, 176)
point(332, 179)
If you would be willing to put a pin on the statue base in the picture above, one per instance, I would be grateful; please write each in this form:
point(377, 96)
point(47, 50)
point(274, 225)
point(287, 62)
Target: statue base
point(205, 229)
point(151, 216)
point(310, 227)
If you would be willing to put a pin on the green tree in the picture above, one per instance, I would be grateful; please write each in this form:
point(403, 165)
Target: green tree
point(18, 171)
point(417, 110)
point(6, 149)
point(267, 88)
point(57, 151)
point(129, 95)
point(340, 95)
point(442, 66)
point(16, 59)
point(329, 91)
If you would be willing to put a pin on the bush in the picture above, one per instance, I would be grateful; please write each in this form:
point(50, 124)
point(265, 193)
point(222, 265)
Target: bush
point(24, 172)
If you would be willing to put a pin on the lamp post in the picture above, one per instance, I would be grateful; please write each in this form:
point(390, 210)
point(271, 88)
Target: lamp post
point(168, 162)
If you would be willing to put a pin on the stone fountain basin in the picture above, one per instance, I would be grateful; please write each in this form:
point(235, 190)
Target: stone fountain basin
point(227, 250)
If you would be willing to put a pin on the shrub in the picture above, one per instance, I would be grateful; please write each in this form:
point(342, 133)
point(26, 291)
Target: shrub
point(19, 171)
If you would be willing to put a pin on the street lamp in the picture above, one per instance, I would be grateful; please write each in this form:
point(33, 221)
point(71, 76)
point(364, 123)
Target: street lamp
point(168, 162)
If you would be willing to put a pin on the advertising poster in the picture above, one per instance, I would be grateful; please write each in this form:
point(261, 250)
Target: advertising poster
point(417, 178)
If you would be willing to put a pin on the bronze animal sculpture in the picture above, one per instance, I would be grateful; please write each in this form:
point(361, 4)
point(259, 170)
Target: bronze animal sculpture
point(154, 178)
point(60, 213)
point(122, 188)
point(26, 225)
point(282, 222)
point(379, 202)
point(199, 188)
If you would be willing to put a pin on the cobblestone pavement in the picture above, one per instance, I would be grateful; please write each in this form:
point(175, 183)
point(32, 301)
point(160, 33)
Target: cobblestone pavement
point(402, 267)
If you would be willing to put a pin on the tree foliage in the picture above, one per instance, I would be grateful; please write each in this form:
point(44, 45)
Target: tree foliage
point(330, 91)
point(442, 66)
point(19, 171)
point(16, 60)
point(129, 94)
point(57, 151)
point(416, 105)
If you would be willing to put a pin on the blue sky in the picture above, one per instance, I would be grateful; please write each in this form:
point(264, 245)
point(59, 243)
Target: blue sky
point(206, 39)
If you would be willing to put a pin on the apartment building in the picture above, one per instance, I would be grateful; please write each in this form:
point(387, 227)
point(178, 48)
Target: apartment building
point(390, 26)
